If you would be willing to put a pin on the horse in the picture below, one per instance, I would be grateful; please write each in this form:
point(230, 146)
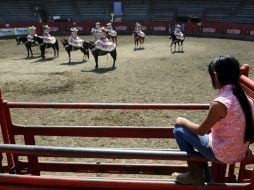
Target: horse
point(43, 46)
point(97, 52)
point(175, 41)
point(70, 48)
point(138, 40)
point(28, 44)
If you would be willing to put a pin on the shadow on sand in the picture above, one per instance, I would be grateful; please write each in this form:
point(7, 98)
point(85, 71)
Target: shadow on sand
point(73, 63)
point(138, 49)
point(101, 70)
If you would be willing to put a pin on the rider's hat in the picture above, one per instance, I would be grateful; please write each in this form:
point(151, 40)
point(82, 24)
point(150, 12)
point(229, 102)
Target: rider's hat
point(97, 23)
point(32, 28)
point(138, 24)
point(109, 24)
point(178, 26)
point(74, 30)
point(45, 27)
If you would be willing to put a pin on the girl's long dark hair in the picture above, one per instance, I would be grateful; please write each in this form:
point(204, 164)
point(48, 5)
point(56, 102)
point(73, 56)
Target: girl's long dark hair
point(227, 69)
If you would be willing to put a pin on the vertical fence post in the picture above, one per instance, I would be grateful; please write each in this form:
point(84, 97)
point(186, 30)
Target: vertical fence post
point(5, 130)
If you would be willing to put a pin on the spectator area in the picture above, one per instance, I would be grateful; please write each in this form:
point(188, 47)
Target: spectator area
point(231, 11)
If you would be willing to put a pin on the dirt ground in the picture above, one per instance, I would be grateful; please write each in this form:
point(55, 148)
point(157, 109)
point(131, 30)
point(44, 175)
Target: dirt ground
point(150, 75)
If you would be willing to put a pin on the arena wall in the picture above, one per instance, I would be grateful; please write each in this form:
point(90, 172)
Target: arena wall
point(238, 31)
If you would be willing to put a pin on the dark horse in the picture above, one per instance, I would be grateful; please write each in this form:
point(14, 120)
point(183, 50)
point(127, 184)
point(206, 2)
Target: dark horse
point(70, 48)
point(28, 44)
point(43, 46)
point(138, 40)
point(114, 38)
point(97, 52)
point(175, 41)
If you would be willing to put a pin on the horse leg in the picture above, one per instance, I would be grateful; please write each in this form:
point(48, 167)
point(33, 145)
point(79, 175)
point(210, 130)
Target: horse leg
point(54, 51)
point(96, 61)
point(113, 55)
point(27, 51)
point(31, 51)
point(42, 48)
point(69, 53)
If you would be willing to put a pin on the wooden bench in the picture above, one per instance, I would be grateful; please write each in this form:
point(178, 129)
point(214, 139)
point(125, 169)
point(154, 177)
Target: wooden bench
point(19, 173)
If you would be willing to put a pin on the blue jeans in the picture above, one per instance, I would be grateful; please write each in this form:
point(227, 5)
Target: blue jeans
point(189, 142)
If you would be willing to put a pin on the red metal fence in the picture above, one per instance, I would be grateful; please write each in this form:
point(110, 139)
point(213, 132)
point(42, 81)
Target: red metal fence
point(224, 176)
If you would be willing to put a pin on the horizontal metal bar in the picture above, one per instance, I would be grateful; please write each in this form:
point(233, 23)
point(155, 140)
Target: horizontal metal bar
point(52, 182)
point(113, 168)
point(130, 106)
point(247, 82)
point(95, 131)
point(113, 153)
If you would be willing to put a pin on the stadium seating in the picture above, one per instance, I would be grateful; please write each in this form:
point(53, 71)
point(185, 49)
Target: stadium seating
point(232, 11)
point(65, 9)
point(16, 11)
point(94, 10)
point(135, 10)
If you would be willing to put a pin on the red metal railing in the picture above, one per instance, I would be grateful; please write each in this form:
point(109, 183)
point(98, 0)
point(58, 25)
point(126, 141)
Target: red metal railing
point(34, 166)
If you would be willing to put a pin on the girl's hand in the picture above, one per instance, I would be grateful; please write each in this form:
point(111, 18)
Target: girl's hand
point(181, 121)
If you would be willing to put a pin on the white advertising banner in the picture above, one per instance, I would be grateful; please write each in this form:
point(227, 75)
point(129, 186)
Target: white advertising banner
point(7, 32)
point(21, 31)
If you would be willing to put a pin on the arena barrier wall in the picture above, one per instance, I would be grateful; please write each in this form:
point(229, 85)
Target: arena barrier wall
point(227, 30)
point(20, 173)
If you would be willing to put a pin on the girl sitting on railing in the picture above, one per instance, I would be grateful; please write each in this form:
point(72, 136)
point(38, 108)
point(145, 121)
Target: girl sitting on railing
point(226, 132)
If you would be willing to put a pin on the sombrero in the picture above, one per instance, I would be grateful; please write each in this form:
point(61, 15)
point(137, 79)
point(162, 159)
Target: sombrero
point(97, 23)
point(32, 28)
point(178, 26)
point(74, 29)
point(109, 24)
point(45, 27)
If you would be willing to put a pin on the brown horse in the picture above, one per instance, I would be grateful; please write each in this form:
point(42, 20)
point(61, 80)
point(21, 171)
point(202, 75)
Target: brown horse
point(70, 48)
point(138, 40)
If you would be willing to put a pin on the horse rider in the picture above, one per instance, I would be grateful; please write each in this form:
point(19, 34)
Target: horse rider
point(110, 29)
point(178, 33)
point(103, 43)
point(138, 30)
point(32, 34)
point(74, 40)
point(97, 30)
point(47, 38)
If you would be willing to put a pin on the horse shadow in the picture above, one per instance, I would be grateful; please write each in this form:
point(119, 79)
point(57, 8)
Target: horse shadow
point(44, 60)
point(73, 63)
point(177, 51)
point(138, 49)
point(27, 58)
point(101, 70)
